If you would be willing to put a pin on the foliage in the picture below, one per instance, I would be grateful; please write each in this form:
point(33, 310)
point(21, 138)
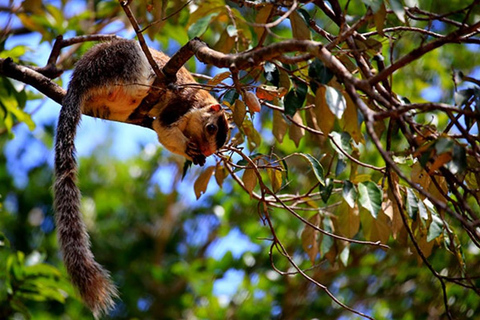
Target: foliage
point(350, 183)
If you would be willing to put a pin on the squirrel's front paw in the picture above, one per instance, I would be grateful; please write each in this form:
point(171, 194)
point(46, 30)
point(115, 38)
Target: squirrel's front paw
point(194, 152)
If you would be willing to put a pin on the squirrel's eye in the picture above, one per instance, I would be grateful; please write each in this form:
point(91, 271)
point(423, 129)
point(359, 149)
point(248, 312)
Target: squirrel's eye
point(211, 129)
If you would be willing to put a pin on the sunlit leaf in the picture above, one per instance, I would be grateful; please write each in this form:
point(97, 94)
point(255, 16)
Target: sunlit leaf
point(349, 193)
point(271, 73)
point(374, 4)
point(326, 241)
point(398, 9)
point(200, 26)
point(411, 204)
point(335, 101)
point(370, 197)
point(316, 166)
point(436, 227)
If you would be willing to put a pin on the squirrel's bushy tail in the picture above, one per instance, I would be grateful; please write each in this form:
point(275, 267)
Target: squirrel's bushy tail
point(92, 281)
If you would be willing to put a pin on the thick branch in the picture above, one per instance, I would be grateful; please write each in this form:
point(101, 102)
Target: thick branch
point(28, 76)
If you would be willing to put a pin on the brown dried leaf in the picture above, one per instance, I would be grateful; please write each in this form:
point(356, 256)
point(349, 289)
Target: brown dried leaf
point(270, 92)
point(295, 132)
point(251, 101)
point(280, 126)
point(200, 185)
point(348, 222)
point(262, 17)
point(310, 238)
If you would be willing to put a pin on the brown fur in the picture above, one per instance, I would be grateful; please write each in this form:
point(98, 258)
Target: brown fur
point(110, 82)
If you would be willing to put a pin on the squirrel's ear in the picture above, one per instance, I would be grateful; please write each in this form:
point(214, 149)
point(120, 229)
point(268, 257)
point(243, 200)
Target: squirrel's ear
point(215, 107)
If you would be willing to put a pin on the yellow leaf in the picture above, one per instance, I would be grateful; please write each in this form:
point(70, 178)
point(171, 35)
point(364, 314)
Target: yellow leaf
point(300, 29)
point(420, 176)
point(310, 238)
point(253, 137)
point(275, 175)
point(325, 117)
point(219, 78)
point(239, 112)
point(249, 180)
point(220, 174)
point(200, 185)
point(349, 121)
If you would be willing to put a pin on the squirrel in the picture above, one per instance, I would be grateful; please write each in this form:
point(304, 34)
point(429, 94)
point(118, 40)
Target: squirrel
point(109, 82)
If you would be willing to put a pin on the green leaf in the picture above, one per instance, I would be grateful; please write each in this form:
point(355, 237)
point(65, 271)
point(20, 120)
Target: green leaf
point(349, 193)
point(296, 97)
point(411, 204)
point(335, 101)
point(436, 227)
point(422, 212)
point(344, 255)
point(374, 4)
point(443, 145)
point(398, 9)
point(316, 166)
point(231, 96)
point(326, 190)
point(370, 197)
point(200, 26)
point(319, 74)
point(459, 162)
point(326, 241)
point(343, 140)
point(271, 73)
point(4, 240)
